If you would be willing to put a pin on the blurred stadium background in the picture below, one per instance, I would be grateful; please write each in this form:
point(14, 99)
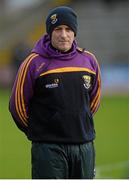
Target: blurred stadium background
point(103, 30)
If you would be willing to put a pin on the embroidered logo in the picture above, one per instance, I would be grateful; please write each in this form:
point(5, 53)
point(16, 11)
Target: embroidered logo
point(87, 81)
point(40, 66)
point(53, 18)
point(53, 85)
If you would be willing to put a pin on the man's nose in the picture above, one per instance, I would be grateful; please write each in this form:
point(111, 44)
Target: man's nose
point(63, 33)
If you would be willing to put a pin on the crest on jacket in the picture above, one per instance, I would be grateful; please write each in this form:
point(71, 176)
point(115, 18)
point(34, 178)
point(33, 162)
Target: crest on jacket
point(87, 81)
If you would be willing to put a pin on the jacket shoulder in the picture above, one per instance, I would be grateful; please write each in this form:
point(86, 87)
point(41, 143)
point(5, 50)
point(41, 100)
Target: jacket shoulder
point(90, 54)
point(85, 52)
point(81, 50)
point(30, 58)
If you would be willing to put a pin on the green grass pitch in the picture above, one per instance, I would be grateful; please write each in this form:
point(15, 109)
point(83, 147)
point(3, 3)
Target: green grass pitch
point(112, 141)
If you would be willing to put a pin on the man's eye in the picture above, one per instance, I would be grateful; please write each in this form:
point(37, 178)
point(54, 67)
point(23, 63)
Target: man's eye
point(57, 29)
point(68, 29)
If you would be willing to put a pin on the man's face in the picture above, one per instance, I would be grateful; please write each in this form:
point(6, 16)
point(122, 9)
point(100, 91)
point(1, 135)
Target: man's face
point(62, 38)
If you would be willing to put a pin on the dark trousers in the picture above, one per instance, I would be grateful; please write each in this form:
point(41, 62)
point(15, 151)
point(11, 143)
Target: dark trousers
point(63, 161)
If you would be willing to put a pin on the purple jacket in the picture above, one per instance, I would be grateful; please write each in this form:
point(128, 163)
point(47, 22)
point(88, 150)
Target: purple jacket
point(65, 87)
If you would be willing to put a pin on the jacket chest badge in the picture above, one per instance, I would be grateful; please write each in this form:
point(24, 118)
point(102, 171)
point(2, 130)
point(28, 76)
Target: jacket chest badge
point(54, 84)
point(87, 81)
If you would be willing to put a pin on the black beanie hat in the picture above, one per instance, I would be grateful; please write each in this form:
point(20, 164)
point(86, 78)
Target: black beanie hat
point(62, 15)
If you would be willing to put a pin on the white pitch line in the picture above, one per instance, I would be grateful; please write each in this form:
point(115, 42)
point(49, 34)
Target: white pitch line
point(108, 167)
point(118, 165)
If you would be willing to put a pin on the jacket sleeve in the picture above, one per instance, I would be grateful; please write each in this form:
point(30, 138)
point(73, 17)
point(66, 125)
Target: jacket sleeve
point(95, 94)
point(22, 92)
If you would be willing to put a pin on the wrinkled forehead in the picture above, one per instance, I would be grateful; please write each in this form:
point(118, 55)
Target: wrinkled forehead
point(63, 26)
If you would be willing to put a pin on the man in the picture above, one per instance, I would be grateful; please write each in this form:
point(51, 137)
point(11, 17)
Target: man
point(55, 94)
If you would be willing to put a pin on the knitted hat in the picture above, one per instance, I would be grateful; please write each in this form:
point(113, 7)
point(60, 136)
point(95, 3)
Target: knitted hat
point(62, 15)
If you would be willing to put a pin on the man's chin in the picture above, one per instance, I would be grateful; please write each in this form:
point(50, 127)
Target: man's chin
point(65, 49)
